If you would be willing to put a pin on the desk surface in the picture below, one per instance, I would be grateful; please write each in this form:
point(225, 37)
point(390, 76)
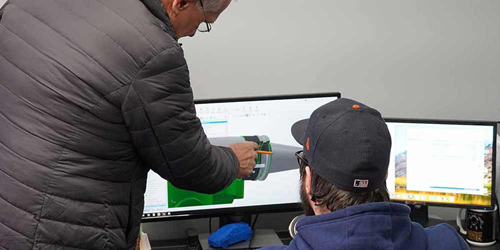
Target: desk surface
point(261, 238)
point(266, 237)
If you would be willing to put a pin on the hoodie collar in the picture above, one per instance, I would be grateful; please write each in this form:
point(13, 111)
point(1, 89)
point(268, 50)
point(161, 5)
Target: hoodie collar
point(158, 10)
point(360, 210)
point(378, 223)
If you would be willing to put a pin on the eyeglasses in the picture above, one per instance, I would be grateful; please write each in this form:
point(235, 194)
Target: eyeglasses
point(300, 158)
point(208, 26)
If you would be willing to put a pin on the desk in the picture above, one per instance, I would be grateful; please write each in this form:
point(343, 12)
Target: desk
point(262, 238)
point(267, 237)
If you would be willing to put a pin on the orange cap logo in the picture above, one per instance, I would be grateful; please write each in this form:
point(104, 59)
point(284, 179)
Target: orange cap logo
point(307, 144)
point(355, 106)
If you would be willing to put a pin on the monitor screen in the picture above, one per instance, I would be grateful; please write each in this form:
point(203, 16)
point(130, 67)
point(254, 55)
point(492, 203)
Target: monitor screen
point(276, 187)
point(442, 163)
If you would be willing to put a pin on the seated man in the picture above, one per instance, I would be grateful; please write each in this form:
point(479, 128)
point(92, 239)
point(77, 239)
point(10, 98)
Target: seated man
point(343, 167)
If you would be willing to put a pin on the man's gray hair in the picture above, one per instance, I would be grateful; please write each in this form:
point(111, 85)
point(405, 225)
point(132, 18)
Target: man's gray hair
point(211, 5)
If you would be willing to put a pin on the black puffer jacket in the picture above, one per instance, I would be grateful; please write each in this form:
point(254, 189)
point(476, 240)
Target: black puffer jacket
point(93, 94)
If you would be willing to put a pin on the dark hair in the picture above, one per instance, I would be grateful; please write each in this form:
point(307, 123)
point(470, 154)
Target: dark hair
point(325, 194)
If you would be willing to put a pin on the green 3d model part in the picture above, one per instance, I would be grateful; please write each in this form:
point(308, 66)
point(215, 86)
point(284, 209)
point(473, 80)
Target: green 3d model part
point(184, 198)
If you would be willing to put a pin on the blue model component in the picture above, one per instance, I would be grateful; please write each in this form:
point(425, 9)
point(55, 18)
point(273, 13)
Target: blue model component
point(230, 234)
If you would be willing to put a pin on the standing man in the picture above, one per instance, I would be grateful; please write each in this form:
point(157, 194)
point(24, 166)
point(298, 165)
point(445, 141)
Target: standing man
point(343, 168)
point(93, 95)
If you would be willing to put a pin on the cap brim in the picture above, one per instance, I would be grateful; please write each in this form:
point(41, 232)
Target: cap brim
point(299, 131)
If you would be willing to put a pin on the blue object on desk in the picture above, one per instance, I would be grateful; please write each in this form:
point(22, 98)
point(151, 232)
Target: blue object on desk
point(230, 234)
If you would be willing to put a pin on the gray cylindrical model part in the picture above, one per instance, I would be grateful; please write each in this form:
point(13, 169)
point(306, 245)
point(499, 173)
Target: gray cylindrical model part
point(261, 170)
point(226, 141)
point(284, 157)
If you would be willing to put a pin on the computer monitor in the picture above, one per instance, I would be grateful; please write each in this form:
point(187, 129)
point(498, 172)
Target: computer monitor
point(274, 189)
point(442, 163)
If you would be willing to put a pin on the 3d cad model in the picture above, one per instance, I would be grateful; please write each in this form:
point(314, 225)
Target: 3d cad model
point(282, 159)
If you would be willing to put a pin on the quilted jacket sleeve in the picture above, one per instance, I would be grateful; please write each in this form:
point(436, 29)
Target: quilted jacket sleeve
point(159, 112)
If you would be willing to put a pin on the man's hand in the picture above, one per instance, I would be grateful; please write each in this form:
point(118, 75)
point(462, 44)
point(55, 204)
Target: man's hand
point(246, 154)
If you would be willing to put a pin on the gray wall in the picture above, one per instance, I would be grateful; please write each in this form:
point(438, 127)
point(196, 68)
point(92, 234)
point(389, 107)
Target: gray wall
point(407, 58)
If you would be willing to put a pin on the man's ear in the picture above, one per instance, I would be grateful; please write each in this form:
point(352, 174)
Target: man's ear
point(179, 5)
point(307, 182)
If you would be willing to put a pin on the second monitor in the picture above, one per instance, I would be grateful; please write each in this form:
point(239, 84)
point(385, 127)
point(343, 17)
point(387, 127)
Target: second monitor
point(444, 163)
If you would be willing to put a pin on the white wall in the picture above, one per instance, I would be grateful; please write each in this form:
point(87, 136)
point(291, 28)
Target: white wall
point(2, 2)
point(407, 58)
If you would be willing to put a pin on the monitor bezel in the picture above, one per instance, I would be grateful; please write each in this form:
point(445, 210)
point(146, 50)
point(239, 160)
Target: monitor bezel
point(275, 208)
point(267, 98)
point(494, 124)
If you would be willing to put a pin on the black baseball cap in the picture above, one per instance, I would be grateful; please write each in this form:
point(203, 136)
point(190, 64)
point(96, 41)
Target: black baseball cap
point(346, 143)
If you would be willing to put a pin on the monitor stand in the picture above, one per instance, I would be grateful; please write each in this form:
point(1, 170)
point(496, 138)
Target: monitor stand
point(419, 214)
point(227, 219)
